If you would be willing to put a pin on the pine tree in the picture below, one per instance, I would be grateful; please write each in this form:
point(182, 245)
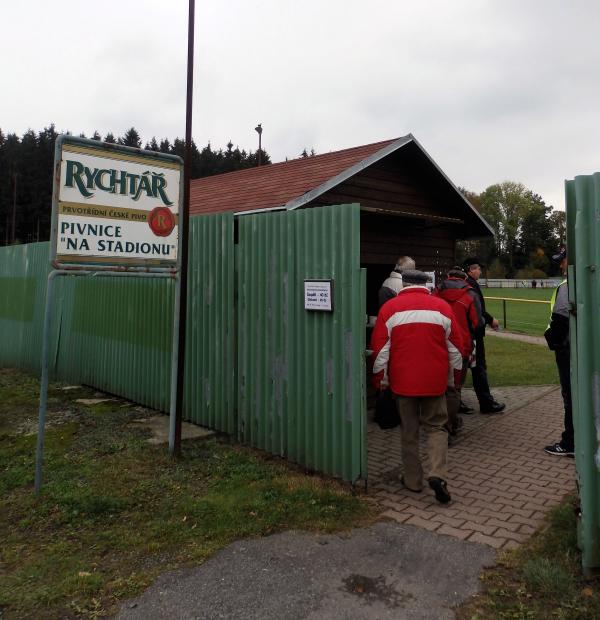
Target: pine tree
point(110, 138)
point(131, 138)
point(45, 162)
point(152, 145)
point(24, 187)
point(4, 219)
point(178, 147)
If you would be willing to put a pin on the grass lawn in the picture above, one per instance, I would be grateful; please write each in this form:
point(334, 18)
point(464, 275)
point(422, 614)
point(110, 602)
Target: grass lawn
point(511, 362)
point(115, 511)
point(521, 317)
point(540, 580)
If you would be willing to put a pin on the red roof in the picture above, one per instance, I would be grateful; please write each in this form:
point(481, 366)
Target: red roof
point(273, 185)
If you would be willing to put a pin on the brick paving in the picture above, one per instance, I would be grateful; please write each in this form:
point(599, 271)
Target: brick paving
point(502, 482)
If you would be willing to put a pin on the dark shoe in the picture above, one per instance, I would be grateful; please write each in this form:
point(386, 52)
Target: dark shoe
point(493, 407)
point(440, 488)
point(413, 490)
point(558, 449)
point(465, 409)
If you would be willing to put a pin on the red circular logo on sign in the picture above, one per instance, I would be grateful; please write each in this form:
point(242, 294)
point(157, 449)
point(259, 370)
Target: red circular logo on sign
point(161, 221)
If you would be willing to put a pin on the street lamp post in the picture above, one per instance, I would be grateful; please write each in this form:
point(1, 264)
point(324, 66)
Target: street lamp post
point(175, 429)
point(258, 129)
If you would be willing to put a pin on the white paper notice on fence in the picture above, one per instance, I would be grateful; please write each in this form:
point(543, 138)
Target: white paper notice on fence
point(318, 295)
point(431, 284)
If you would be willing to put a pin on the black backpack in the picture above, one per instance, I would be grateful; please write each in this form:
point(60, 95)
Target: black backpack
point(386, 413)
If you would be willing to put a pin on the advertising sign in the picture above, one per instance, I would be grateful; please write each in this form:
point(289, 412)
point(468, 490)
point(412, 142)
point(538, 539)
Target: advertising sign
point(115, 206)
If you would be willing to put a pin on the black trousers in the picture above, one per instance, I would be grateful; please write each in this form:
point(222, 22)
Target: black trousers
point(480, 378)
point(563, 362)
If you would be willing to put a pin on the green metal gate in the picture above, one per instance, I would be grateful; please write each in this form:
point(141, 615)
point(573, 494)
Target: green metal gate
point(583, 247)
point(301, 374)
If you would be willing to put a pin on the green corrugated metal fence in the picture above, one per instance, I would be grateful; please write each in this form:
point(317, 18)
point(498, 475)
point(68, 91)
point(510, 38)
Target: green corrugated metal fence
point(298, 377)
point(115, 333)
point(210, 360)
point(23, 273)
point(583, 246)
point(301, 373)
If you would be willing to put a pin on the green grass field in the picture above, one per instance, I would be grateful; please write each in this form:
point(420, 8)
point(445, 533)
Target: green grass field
point(521, 316)
point(511, 362)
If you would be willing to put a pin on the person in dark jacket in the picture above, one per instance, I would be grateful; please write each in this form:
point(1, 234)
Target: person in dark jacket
point(487, 403)
point(557, 337)
point(463, 300)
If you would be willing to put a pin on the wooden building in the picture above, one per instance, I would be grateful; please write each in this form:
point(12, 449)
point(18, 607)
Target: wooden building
point(408, 205)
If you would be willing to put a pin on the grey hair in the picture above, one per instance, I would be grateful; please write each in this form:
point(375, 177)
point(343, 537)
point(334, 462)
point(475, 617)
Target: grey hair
point(404, 262)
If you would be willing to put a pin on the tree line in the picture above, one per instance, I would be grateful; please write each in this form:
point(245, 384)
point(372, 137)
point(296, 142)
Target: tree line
point(527, 232)
point(26, 164)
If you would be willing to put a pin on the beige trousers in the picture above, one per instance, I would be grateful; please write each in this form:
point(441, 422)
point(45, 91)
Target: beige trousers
point(432, 413)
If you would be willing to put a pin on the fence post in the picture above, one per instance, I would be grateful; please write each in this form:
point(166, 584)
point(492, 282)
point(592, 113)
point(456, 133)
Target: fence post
point(504, 311)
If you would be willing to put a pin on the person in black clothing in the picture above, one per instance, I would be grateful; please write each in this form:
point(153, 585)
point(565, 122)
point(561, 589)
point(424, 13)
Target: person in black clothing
point(557, 337)
point(487, 403)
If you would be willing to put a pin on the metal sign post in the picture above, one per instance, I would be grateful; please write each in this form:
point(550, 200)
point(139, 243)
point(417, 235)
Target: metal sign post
point(115, 213)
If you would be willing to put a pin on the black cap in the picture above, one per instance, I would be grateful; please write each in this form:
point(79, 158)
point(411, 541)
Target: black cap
point(471, 260)
point(560, 255)
point(457, 272)
point(414, 276)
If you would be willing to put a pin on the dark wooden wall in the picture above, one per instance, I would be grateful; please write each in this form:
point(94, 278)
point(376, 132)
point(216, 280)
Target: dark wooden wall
point(408, 210)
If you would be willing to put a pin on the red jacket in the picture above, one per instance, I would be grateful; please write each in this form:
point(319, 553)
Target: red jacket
point(416, 344)
point(463, 300)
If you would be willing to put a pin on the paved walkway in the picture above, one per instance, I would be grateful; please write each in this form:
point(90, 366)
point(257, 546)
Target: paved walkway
point(502, 482)
point(387, 571)
point(514, 336)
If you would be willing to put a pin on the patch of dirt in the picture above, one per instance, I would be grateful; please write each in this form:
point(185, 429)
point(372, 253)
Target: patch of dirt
point(56, 418)
point(372, 589)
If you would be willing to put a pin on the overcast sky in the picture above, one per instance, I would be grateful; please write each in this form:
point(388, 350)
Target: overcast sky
point(493, 89)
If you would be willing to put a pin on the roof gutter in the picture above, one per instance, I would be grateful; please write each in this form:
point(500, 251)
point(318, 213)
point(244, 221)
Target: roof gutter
point(253, 211)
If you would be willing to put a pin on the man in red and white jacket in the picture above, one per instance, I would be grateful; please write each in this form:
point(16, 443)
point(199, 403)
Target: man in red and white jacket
point(417, 351)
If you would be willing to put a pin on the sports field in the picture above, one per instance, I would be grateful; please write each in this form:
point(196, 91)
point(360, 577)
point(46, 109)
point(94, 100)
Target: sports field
point(526, 317)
